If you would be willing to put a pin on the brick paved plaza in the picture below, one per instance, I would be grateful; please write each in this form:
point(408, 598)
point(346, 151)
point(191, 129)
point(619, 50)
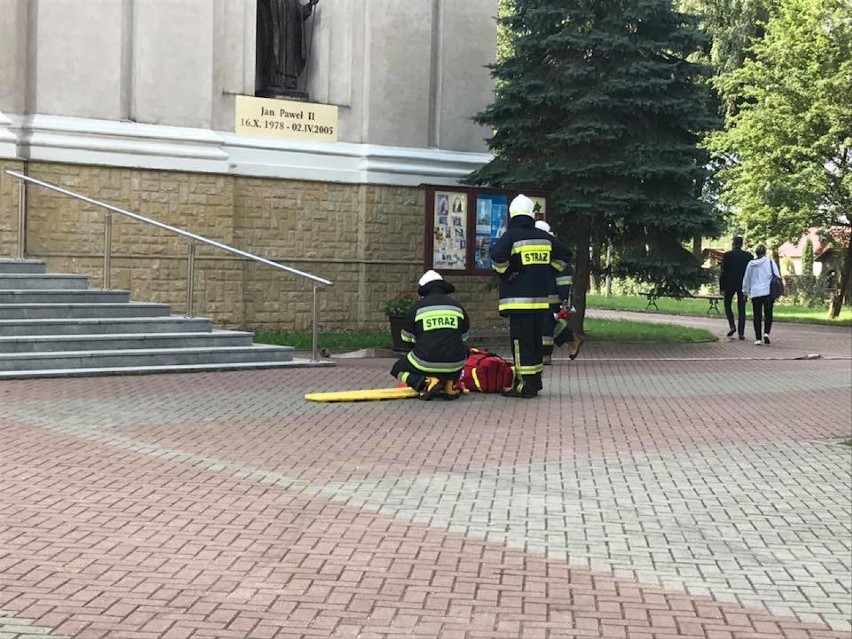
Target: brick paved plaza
point(652, 491)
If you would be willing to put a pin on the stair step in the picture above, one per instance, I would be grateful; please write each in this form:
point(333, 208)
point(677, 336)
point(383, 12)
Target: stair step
point(119, 341)
point(144, 357)
point(296, 362)
point(88, 326)
point(73, 310)
point(80, 311)
point(63, 295)
point(55, 325)
point(22, 266)
point(42, 280)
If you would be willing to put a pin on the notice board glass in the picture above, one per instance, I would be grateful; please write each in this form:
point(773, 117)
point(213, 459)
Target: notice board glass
point(462, 224)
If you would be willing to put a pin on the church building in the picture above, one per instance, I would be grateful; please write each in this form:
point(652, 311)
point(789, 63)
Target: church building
point(302, 131)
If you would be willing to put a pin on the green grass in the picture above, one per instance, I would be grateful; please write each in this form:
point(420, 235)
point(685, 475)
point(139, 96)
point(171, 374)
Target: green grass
point(698, 307)
point(613, 330)
point(599, 330)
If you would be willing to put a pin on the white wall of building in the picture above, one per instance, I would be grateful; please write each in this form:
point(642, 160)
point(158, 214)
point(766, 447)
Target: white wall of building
point(416, 69)
point(13, 55)
point(76, 69)
point(406, 75)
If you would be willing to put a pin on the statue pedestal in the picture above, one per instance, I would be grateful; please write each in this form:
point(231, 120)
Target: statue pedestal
point(282, 94)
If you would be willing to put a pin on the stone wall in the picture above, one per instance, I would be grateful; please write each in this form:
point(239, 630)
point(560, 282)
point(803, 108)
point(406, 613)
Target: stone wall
point(367, 239)
point(9, 209)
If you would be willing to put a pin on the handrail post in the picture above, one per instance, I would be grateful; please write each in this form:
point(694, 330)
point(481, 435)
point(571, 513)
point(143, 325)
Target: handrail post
point(107, 249)
point(315, 328)
point(190, 278)
point(22, 217)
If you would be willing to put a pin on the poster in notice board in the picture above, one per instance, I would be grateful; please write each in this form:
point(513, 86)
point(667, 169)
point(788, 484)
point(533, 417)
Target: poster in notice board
point(449, 231)
point(492, 219)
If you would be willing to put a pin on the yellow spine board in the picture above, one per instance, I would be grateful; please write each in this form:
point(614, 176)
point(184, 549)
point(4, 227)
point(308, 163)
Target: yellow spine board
point(365, 395)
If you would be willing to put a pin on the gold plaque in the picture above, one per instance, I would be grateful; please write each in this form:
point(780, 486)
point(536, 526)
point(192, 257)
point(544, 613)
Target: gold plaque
point(285, 119)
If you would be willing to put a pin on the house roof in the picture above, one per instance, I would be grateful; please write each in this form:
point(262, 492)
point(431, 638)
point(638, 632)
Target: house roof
point(822, 248)
point(794, 250)
point(712, 253)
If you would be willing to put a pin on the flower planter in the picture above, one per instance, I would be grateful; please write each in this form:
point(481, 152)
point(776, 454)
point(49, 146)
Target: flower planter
point(397, 323)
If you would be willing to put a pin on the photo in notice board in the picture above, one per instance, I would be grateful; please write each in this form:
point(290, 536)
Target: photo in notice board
point(492, 219)
point(449, 231)
point(540, 208)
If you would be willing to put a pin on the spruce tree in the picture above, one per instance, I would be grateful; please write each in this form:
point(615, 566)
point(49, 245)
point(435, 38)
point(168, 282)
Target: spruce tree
point(808, 257)
point(597, 103)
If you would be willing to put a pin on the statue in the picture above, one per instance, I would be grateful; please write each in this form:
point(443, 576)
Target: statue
point(281, 45)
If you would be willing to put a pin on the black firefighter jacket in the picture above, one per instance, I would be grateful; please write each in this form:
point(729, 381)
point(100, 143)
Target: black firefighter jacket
point(525, 258)
point(437, 325)
point(560, 288)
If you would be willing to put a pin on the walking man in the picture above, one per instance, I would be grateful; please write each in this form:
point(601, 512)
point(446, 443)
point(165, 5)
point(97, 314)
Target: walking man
point(734, 264)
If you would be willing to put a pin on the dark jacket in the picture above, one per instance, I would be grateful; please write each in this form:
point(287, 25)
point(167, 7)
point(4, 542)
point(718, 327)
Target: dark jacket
point(437, 325)
point(564, 281)
point(559, 290)
point(734, 264)
point(525, 258)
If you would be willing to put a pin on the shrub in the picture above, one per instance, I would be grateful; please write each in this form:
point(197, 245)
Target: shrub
point(400, 304)
point(806, 290)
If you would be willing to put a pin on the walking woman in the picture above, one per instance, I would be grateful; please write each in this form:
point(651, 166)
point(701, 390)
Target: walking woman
point(756, 284)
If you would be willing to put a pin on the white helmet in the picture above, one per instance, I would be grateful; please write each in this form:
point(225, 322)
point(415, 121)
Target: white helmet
point(544, 226)
point(429, 276)
point(521, 205)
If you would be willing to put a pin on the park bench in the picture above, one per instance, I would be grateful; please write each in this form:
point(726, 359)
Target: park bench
point(713, 300)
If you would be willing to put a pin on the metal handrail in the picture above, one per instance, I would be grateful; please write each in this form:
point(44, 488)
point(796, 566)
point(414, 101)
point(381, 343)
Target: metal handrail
point(191, 237)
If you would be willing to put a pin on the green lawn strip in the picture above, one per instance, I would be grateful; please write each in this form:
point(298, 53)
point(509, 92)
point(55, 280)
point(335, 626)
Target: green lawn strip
point(599, 330)
point(699, 307)
point(616, 330)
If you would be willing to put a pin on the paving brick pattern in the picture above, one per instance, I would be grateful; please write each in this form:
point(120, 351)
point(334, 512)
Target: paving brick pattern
point(678, 493)
point(12, 627)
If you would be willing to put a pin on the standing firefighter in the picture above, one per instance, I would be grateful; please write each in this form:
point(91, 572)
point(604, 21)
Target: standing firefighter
point(556, 331)
point(524, 258)
point(437, 325)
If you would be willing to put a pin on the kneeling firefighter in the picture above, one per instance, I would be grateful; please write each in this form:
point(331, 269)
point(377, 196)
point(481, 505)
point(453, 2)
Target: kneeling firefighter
point(525, 259)
point(438, 326)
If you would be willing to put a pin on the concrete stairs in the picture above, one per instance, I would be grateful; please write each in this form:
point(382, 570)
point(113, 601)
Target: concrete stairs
point(54, 325)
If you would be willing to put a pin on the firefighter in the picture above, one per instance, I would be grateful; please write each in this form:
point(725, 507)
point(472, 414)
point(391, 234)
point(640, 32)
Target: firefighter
point(525, 258)
point(556, 330)
point(438, 326)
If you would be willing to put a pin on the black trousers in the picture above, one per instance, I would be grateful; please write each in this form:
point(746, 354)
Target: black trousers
point(762, 309)
point(547, 327)
point(407, 372)
point(525, 332)
point(741, 310)
point(548, 340)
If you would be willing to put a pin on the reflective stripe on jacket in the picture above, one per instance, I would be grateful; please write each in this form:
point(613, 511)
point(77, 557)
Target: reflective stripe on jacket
point(438, 327)
point(527, 259)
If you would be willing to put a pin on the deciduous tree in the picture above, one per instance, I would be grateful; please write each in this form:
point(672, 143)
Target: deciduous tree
point(787, 152)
